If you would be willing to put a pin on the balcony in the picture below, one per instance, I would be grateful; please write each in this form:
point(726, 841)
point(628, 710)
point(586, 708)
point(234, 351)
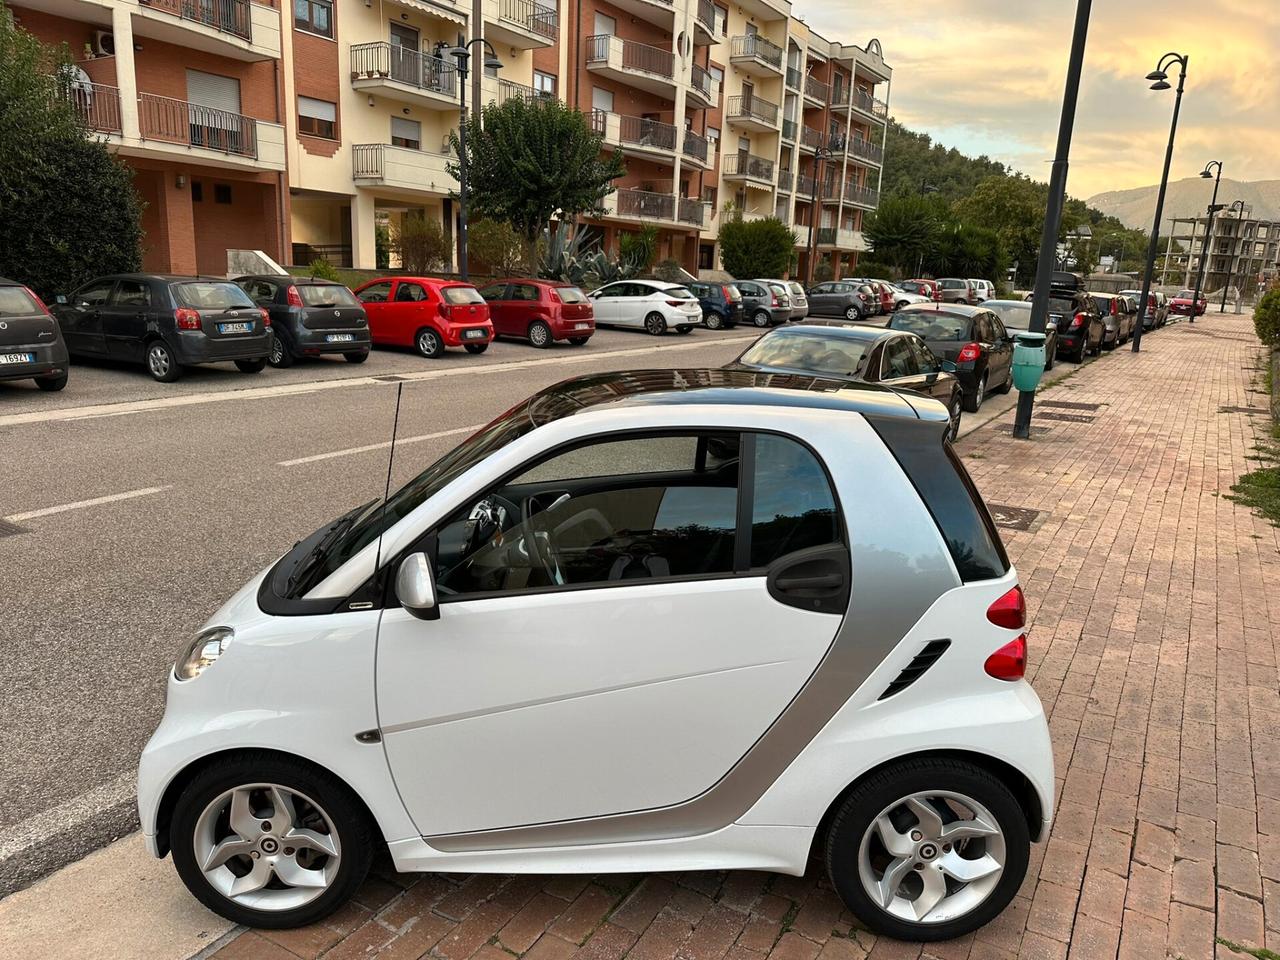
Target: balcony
point(752, 53)
point(868, 105)
point(789, 130)
point(697, 150)
point(691, 211)
point(752, 113)
point(645, 137)
point(628, 204)
point(816, 93)
point(786, 179)
point(229, 28)
point(98, 107)
point(405, 75)
point(629, 62)
point(704, 23)
point(830, 191)
point(865, 150)
point(750, 170)
point(794, 78)
point(179, 130)
point(522, 24)
point(810, 139)
point(400, 168)
point(861, 196)
point(704, 89)
point(660, 12)
point(805, 186)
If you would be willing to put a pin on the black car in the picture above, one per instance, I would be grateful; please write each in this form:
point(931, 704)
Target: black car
point(857, 354)
point(972, 338)
point(31, 345)
point(721, 304)
point(165, 322)
point(1075, 314)
point(310, 317)
point(1016, 316)
point(843, 298)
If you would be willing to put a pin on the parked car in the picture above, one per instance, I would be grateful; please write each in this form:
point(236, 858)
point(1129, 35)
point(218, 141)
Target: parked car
point(956, 290)
point(427, 314)
point(540, 311)
point(721, 304)
point(904, 298)
point(887, 304)
point(799, 301)
point(653, 305)
point(1151, 316)
point(1119, 316)
point(1079, 323)
point(972, 338)
point(31, 344)
point(791, 578)
point(761, 304)
point(165, 322)
point(1182, 304)
point(925, 288)
point(1162, 308)
point(1016, 317)
point(309, 317)
point(858, 354)
point(842, 298)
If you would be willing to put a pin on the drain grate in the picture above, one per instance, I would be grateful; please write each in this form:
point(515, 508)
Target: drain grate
point(1035, 431)
point(9, 529)
point(1013, 518)
point(1243, 410)
point(1069, 405)
point(1067, 417)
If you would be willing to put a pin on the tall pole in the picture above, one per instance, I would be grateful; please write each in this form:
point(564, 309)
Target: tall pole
point(1153, 246)
point(1237, 205)
point(1208, 233)
point(462, 166)
point(818, 157)
point(1053, 212)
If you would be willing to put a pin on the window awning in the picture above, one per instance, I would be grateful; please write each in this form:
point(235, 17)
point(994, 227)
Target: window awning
point(444, 9)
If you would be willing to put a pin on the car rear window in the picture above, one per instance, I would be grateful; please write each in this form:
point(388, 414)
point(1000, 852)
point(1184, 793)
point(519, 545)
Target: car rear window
point(571, 295)
point(1015, 315)
point(327, 295)
point(211, 295)
point(461, 295)
point(16, 302)
point(678, 293)
point(813, 353)
point(1058, 305)
point(1182, 294)
point(932, 324)
point(796, 289)
point(1103, 304)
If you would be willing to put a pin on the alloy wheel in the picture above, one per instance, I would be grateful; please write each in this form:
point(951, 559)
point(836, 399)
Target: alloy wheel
point(428, 343)
point(714, 322)
point(539, 334)
point(267, 847)
point(158, 360)
point(277, 351)
point(851, 313)
point(931, 857)
point(655, 324)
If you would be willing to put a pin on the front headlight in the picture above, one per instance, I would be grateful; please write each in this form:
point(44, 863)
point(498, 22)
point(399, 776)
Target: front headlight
point(207, 647)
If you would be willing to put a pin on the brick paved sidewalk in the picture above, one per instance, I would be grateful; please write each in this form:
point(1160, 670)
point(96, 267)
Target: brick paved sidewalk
point(1155, 604)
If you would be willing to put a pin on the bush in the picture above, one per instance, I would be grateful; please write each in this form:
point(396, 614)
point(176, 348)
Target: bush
point(873, 270)
point(640, 248)
point(756, 248)
point(421, 244)
point(323, 270)
point(669, 271)
point(1266, 319)
point(382, 246)
point(822, 271)
point(498, 247)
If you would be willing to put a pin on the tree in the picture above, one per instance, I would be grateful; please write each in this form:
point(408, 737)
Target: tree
point(902, 230)
point(420, 243)
point(498, 247)
point(756, 248)
point(1014, 207)
point(529, 160)
point(70, 210)
point(639, 248)
point(1266, 320)
point(822, 270)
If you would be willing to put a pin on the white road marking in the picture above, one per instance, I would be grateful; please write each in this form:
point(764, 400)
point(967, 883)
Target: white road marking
point(378, 446)
point(81, 504)
point(99, 416)
point(293, 389)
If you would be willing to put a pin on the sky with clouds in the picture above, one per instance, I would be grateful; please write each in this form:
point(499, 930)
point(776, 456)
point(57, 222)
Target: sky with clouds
point(987, 76)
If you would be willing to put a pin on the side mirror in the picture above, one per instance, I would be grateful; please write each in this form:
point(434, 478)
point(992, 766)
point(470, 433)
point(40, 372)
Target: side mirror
point(60, 298)
point(416, 587)
point(948, 366)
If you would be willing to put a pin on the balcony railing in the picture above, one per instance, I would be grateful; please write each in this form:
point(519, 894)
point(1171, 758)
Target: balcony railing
point(509, 90)
point(531, 16)
point(854, 193)
point(794, 78)
point(368, 160)
point(646, 204)
point(830, 188)
point(785, 180)
point(866, 149)
point(805, 185)
point(813, 87)
point(869, 104)
point(97, 105)
point(840, 95)
point(635, 56)
point(178, 121)
point(695, 146)
point(810, 137)
point(645, 132)
point(403, 65)
point(691, 211)
point(827, 235)
point(703, 82)
point(788, 129)
point(746, 165)
point(706, 15)
point(226, 16)
point(754, 107)
point(754, 46)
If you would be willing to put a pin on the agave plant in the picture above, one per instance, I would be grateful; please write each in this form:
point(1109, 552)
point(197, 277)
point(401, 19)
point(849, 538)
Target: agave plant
point(561, 252)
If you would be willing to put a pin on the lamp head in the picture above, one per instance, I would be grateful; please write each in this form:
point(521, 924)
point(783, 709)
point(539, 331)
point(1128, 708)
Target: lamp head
point(1160, 85)
point(492, 63)
point(1157, 75)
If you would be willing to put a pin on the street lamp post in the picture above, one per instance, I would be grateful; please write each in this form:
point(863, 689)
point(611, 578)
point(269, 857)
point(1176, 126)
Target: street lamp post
point(821, 154)
point(1160, 78)
point(462, 55)
point(1208, 229)
point(1053, 212)
point(926, 188)
point(1238, 207)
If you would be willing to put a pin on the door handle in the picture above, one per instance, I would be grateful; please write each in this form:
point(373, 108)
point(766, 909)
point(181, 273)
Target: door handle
point(826, 581)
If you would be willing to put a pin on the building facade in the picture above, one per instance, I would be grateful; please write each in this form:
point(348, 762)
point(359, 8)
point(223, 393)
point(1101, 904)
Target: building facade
point(305, 130)
point(1243, 252)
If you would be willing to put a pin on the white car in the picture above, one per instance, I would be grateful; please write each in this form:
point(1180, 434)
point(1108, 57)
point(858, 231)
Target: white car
point(986, 289)
point(651, 304)
point(903, 298)
point(644, 621)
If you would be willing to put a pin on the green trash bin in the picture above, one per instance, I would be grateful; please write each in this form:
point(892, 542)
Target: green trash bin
point(1028, 360)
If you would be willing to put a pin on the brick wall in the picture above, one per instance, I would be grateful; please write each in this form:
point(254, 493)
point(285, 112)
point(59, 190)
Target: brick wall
point(161, 69)
point(75, 34)
point(318, 74)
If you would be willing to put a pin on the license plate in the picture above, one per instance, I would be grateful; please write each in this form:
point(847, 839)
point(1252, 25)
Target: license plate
point(235, 327)
point(340, 337)
point(472, 334)
point(582, 326)
point(17, 358)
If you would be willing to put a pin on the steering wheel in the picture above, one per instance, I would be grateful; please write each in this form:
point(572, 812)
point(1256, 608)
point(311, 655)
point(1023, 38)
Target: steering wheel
point(545, 557)
point(492, 503)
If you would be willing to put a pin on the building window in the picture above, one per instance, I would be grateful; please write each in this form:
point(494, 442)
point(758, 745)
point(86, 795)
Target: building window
point(544, 84)
point(717, 74)
point(314, 16)
point(709, 195)
point(713, 137)
point(197, 191)
point(722, 21)
point(317, 118)
point(406, 133)
point(222, 193)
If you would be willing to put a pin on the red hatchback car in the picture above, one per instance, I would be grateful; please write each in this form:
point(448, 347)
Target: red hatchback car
point(540, 311)
point(426, 313)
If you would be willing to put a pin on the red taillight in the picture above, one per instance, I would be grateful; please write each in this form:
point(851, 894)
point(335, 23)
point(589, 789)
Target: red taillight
point(555, 297)
point(675, 303)
point(728, 297)
point(40, 302)
point(1009, 662)
point(1077, 321)
point(1009, 611)
point(266, 317)
point(969, 352)
point(186, 318)
point(294, 297)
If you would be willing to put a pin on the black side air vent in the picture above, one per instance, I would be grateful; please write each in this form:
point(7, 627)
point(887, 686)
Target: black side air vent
point(912, 672)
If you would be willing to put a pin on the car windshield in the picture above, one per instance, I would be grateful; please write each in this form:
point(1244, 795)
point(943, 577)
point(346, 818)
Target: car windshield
point(461, 295)
point(1014, 315)
point(810, 352)
point(571, 295)
point(1184, 294)
point(932, 324)
point(327, 295)
point(16, 302)
point(211, 295)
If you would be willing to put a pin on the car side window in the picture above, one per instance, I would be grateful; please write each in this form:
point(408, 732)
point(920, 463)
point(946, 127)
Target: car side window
point(495, 291)
point(259, 291)
point(794, 506)
point(94, 295)
point(997, 328)
point(376, 292)
point(898, 360)
point(410, 293)
point(748, 289)
point(131, 293)
point(926, 362)
point(525, 292)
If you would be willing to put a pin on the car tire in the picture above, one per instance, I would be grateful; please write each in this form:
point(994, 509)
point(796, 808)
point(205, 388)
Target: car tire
point(428, 343)
point(161, 363)
point(714, 321)
point(252, 366)
point(915, 805)
point(476, 347)
point(52, 384)
point(761, 318)
point(852, 313)
point(957, 408)
point(1078, 355)
point(356, 356)
point(540, 335)
point(655, 324)
point(683, 328)
point(330, 811)
point(973, 401)
point(1008, 382)
point(1050, 357)
point(578, 341)
point(280, 356)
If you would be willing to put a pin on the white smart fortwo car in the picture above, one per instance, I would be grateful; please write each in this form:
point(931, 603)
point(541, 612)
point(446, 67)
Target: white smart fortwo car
point(658, 620)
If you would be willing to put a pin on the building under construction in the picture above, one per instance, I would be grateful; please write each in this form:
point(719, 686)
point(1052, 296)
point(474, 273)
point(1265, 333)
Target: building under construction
point(1243, 252)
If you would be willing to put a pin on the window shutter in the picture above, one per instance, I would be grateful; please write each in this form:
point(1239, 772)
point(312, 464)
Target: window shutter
point(211, 90)
point(406, 129)
point(317, 109)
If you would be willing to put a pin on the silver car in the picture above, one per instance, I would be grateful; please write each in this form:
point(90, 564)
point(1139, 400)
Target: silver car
point(790, 295)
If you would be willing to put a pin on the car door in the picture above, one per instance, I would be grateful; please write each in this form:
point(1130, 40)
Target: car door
point(526, 305)
point(376, 298)
point(496, 296)
point(601, 678)
point(819, 300)
point(124, 319)
point(629, 304)
point(753, 295)
point(1002, 349)
point(604, 302)
point(899, 366)
point(81, 318)
point(411, 308)
point(933, 380)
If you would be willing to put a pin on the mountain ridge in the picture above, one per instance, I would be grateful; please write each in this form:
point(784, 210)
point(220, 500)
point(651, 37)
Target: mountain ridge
point(1185, 198)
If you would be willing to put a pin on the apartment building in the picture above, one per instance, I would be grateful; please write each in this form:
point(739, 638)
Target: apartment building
point(301, 130)
point(1243, 251)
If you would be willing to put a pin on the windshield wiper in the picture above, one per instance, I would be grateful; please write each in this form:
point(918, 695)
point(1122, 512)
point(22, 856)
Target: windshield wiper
point(317, 553)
